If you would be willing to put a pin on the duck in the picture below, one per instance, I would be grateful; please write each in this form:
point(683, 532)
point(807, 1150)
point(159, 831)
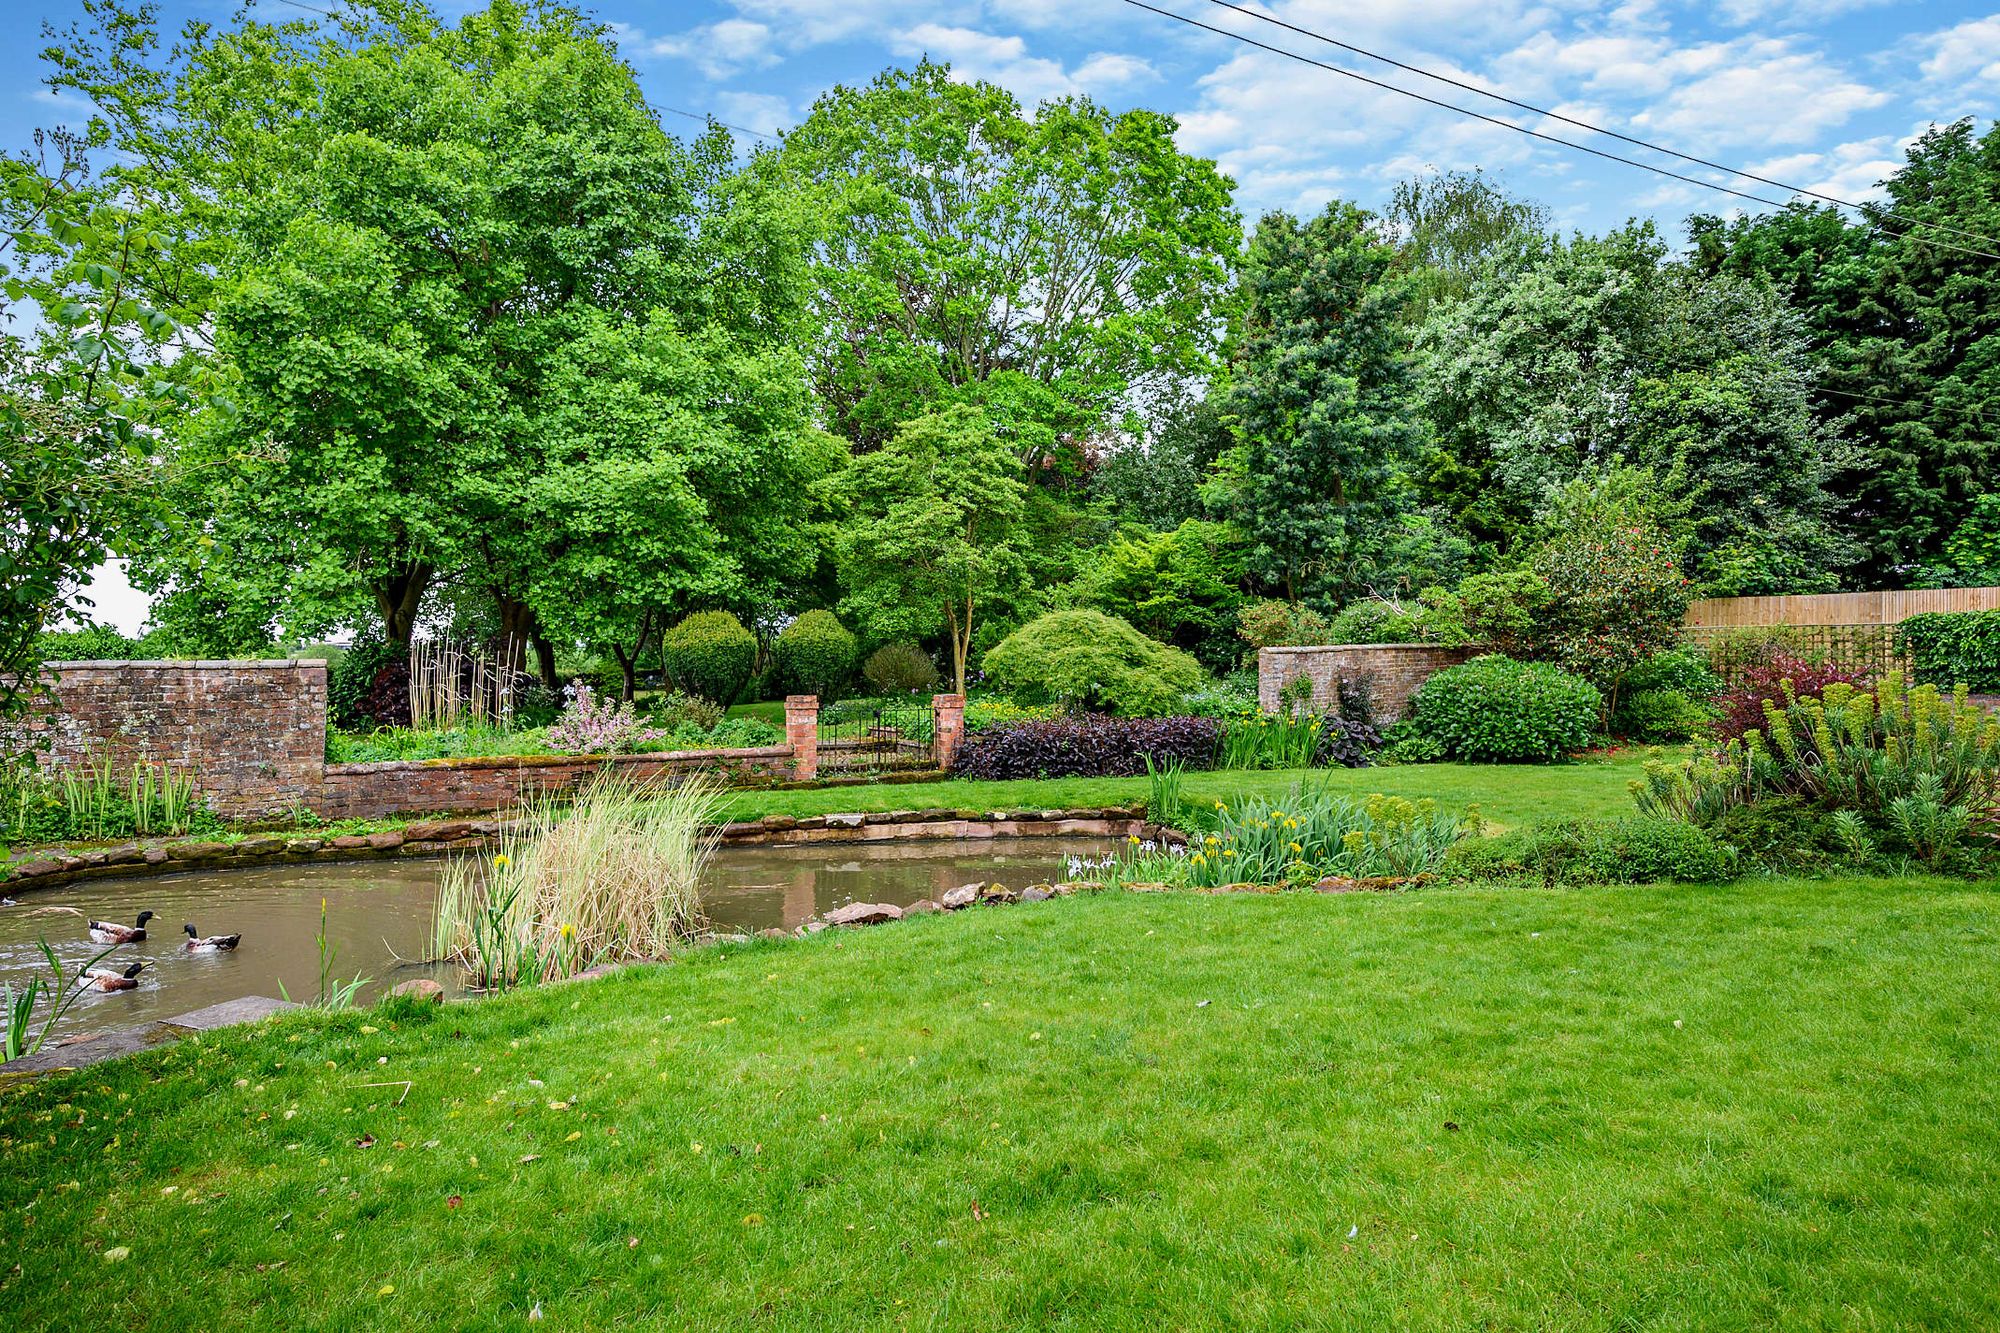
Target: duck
point(110, 932)
point(208, 943)
point(109, 979)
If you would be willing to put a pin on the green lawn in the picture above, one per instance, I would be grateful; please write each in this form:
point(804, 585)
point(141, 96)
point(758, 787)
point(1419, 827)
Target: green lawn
point(1507, 794)
point(1668, 1108)
point(767, 710)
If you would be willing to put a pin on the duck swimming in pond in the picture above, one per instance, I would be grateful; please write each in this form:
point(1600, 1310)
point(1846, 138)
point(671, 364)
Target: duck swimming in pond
point(110, 932)
point(208, 943)
point(108, 979)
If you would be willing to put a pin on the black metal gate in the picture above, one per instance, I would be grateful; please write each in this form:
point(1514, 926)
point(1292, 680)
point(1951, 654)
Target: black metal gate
point(875, 739)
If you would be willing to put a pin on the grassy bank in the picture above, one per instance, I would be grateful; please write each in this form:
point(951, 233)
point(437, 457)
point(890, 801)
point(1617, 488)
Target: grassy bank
point(1507, 794)
point(1657, 1107)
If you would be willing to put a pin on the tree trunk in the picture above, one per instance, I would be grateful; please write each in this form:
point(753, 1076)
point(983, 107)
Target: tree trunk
point(400, 597)
point(545, 657)
point(961, 642)
point(517, 627)
point(627, 663)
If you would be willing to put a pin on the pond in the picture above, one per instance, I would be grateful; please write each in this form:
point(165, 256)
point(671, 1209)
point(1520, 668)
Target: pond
point(379, 915)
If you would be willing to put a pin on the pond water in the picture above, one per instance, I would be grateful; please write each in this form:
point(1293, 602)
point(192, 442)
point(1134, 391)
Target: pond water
point(378, 913)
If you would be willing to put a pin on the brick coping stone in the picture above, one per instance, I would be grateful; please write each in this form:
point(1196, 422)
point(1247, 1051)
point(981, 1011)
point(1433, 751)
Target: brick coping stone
point(53, 866)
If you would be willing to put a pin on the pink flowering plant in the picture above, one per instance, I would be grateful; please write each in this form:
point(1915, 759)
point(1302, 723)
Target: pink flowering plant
point(588, 726)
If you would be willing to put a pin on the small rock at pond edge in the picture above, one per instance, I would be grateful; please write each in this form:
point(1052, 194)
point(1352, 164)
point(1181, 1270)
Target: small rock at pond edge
point(421, 988)
point(863, 914)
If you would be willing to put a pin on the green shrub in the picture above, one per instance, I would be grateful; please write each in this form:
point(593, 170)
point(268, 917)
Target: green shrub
point(815, 655)
point(92, 643)
point(1948, 647)
point(1662, 716)
point(1280, 624)
point(1912, 766)
point(1504, 608)
point(1088, 660)
point(679, 709)
point(1629, 850)
point(710, 654)
point(1434, 617)
point(1685, 670)
point(1496, 710)
point(900, 668)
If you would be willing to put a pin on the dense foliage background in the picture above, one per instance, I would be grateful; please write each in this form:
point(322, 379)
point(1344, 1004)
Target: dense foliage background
point(398, 323)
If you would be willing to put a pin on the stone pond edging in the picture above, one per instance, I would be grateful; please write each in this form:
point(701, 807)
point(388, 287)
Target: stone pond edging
point(444, 836)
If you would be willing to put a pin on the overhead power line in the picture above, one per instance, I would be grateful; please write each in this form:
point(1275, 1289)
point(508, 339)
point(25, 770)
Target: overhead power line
point(1496, 120)
point(695, 115)
point(1595, 129)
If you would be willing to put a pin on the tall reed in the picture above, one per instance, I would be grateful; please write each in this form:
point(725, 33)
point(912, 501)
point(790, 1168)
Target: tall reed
point(154, 799)
point(450, 688)
point(613, 874)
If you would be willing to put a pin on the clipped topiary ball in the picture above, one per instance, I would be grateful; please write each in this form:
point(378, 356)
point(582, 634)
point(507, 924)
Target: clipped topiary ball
point(1088, 660)
point(815, 656)
point(710, 654)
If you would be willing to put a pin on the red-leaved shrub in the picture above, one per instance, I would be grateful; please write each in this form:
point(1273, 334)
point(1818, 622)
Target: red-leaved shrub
point(1742, 708)
point(1090, 746)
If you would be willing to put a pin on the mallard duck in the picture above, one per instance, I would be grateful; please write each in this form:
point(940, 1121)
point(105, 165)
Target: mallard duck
point(110, 932)
point(208, 943)
point(107, 979)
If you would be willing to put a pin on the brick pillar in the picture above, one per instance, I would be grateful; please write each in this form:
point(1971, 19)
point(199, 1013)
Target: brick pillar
point(947, 727)
point(802, 734)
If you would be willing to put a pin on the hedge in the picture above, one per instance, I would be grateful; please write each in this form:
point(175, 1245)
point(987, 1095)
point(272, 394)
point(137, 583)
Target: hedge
point(1951, 648)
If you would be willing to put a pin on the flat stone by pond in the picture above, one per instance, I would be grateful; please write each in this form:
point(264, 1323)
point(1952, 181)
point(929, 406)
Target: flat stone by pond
point(378, 914)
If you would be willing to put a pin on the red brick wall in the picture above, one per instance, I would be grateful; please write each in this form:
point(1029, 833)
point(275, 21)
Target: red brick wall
point(253, 734)
point(1392, 670)
point(433, 786)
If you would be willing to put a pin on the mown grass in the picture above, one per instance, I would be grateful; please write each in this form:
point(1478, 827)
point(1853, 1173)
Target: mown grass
point(1507, 794)
point(1665, 1108)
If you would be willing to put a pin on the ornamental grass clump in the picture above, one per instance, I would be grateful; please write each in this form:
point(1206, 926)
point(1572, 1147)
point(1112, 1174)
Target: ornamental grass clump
point(1300, 838)
point(613, 875)
point(1914, 766)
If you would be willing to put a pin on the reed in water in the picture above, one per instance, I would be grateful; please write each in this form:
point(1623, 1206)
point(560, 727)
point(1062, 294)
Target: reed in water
point(612, 873)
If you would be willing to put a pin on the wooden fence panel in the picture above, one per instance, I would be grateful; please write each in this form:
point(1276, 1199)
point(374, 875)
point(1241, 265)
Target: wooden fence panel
point(1837, 608)
point(1854, 629)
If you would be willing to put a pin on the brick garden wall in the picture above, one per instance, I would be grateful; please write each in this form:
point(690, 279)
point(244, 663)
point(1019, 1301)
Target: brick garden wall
point(252, 734)
point(433, 786)
point(1391, 671)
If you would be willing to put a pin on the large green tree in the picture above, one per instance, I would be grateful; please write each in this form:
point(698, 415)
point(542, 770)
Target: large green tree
point(1904, 311)
point(1041, 267)
point(1568, 360)
point(420, 224)
point(930, 530)
point(93, 364)
point(1322, 398)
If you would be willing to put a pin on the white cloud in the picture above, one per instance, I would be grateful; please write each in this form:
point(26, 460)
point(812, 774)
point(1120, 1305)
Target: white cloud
point(1760, 92)
point(1005, 60)
point(1847, 171)
point(763, 112)
point(1745, 12)
point(1968, 53)
point(718, 50)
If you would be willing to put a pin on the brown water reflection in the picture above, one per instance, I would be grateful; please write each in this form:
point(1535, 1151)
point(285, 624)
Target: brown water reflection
point(379, 912)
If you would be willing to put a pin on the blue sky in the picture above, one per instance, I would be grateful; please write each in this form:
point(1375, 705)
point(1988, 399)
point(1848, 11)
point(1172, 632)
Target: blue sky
point(1820, 93)
point(1823, 94)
